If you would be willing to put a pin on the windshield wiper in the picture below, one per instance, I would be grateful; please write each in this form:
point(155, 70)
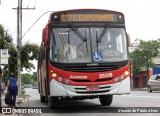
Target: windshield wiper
point(102, 34)
point(78, 33)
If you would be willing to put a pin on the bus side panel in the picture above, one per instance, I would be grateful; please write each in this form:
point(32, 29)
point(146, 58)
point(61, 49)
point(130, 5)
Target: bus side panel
point(43, 79)
point(39, 81)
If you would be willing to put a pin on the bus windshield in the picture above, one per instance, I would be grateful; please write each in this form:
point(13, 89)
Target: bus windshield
point(88, 44)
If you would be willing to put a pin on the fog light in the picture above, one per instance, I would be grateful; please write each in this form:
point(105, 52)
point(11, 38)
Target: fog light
point(66, 81)
point(59, 79)
point(122, 77)
point(116, 79)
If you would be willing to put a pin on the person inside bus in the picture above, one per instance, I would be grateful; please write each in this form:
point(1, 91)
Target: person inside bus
point(12, 88)
point(70, 52)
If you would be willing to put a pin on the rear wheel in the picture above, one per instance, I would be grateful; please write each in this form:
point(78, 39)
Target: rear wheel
point(149, 89)
point(106, 100)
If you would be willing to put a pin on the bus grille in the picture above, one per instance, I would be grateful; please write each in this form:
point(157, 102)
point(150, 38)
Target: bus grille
point(90, 68)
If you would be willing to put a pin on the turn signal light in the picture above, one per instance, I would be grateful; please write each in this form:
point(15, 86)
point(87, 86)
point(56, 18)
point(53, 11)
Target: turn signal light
point(53, 74)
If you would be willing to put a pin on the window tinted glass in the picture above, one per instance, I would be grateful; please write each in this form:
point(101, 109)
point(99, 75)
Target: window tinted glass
point(83, 45)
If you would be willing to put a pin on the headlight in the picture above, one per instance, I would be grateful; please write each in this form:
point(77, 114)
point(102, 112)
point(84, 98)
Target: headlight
point(126, 73)
point(60, 79)
point(122, 77)
point(54, 75)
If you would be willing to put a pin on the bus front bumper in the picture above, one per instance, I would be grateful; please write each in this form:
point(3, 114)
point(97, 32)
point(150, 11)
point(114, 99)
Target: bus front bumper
point(63, 90)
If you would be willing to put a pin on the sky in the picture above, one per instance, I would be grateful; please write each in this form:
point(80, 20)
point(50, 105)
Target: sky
point(142, 16)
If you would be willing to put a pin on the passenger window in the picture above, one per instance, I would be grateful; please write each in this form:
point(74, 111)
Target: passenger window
point(157, 77)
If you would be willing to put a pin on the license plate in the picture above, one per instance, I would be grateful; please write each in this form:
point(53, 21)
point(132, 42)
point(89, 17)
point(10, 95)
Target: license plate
point(92, 88)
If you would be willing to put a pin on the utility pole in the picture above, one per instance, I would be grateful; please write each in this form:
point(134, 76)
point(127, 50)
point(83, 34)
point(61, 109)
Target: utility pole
point(19, 41)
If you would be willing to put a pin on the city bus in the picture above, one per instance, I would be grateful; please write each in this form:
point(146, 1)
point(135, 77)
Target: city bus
point(83, 55)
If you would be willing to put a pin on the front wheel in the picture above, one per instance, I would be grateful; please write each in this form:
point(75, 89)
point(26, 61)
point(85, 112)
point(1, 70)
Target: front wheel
point(149, 89)
point(106, 100)
point(53, 102)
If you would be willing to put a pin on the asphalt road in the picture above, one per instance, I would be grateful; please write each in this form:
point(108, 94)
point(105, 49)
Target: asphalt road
point(136, 103)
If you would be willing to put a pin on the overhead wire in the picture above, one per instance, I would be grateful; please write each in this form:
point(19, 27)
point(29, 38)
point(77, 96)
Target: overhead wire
point(35, 23)
point(31, 12)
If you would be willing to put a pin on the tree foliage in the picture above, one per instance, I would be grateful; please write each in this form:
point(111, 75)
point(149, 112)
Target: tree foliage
point(28, 53)
point(5, 38)
point(143, 55)
point(5, 43)
point(27, 78)
point(35, 76)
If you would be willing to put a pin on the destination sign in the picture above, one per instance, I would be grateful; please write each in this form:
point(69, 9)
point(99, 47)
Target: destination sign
point(89, 18)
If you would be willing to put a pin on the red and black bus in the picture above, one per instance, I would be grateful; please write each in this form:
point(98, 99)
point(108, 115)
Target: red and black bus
point(83, 55)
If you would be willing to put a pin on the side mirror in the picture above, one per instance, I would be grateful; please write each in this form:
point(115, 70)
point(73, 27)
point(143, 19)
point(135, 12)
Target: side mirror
point(128, 40)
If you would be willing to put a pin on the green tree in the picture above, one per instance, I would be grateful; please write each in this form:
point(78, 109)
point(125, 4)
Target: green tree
point(5, 43)
point(28, 52)
point(35, 76)
point(27, 78)
point(5, 38)
point(143, 55)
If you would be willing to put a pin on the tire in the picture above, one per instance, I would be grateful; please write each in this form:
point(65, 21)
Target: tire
point(149, 89)
point(53, 102)
point(106, 100)
point(42, 98)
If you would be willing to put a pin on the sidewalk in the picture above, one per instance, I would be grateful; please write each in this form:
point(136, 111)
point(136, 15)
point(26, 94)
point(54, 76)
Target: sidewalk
point(21, 102)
